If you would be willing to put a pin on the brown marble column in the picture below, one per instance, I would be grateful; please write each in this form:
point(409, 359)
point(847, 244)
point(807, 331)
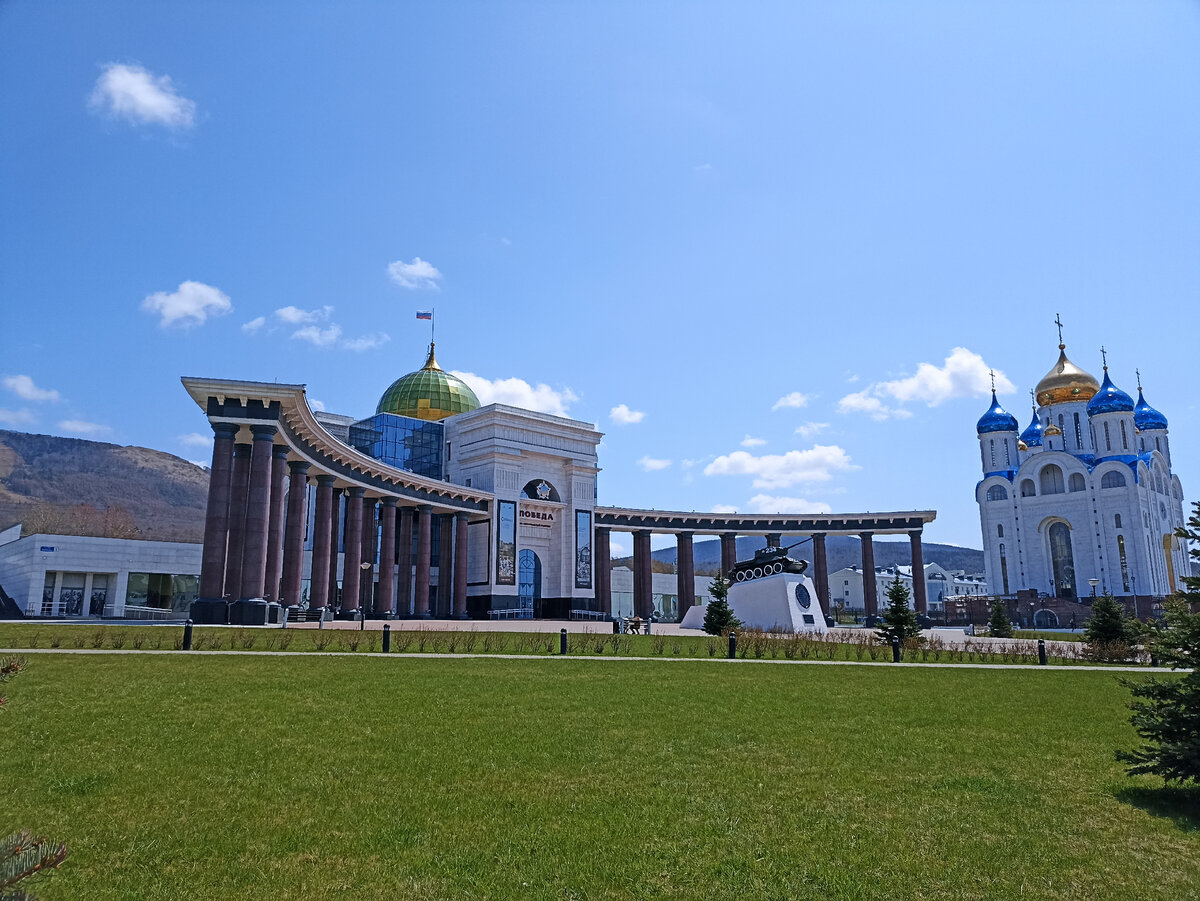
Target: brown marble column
point(404, 562)
point(258, 513)
point(335, 524)
point(366, 591)
point(238, 489)
point(445, 565)
point(275, 524)
point(821, 572)
point(918, 569)
point(643, 575)
point(351, 574)
point(424, 540)
point(460, 566)
point(216, 516)
point(774, 539)
point(322, 562)
point(602, 571)
point(293, 534)
point(870, 589)
point(685, 573)
point(385, 601)
point(728, 553)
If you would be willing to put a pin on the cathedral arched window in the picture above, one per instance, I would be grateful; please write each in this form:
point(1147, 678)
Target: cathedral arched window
point(1007, 454)
point(1157, 446)
point(1112, 479)
point(1107, 438)
point(1027, 488)
point(999, 530)
point(1124, 562)
point(992, 451)
point(1124, 438)
point(997, 493)
point(1078, 434)
point(1076, 483)
point(1116, 520)
point(1051, 478)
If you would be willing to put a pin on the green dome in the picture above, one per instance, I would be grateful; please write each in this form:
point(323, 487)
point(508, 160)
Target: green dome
point(429, 393)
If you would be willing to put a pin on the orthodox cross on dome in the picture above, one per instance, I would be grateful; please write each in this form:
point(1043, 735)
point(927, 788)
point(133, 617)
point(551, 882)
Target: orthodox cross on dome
point(1058, 322)
point(1138, 373)
point(1033, 398)
point(992, 373)
point(1104, 357)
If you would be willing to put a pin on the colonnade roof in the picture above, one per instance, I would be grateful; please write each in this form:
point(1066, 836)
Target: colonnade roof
point(247, 403)
point(664, 521)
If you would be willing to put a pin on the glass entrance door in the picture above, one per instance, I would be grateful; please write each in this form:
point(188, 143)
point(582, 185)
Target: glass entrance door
point(529, 584)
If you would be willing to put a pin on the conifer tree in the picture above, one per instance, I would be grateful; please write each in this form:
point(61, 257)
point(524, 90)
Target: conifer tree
point(718, 616)
point(899, 620)
point(1108, 633)
point(1166, 712)
point(999, 625)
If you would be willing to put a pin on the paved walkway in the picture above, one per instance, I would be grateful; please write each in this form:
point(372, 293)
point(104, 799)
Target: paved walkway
point(612, 659)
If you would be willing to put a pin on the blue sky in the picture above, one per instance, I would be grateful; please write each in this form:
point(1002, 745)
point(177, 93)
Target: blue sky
point(770, 249)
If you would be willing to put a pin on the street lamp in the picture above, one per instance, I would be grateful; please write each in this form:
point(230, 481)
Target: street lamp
point(1093, 583)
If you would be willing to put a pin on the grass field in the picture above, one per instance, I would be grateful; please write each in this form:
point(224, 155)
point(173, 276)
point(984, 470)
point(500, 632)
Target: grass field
point(312, 777)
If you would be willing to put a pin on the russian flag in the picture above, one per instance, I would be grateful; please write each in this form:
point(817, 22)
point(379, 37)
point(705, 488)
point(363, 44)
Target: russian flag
point(425, 314)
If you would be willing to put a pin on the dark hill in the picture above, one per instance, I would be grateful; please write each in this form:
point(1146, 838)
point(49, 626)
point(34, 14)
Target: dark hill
point(93, 488)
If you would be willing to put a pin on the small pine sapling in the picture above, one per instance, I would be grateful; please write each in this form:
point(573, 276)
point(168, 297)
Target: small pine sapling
point(999, 625)
point(899, 620)
point(718, 616)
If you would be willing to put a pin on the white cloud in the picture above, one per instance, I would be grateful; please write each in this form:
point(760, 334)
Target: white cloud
point(137, 95)
point(80, 427)
point(702, 167)
point(195, 439)
point(865, 402)
point(203, 464)
point(962, 374)
point(295, 315)
point(191, 305)
point(254, 324)
point(753, 442)
point(321, 337)
point(622, 415)
point(316, 405)
point(617, 548)
point(724, 508)
point(417, 274)
point(795, 399)
point(765, 503)
point(17, 417)
point(519, 393)
point(808, 429)
point(650, 464)
point(23, 387)
point(367, 342)
point(817, 464)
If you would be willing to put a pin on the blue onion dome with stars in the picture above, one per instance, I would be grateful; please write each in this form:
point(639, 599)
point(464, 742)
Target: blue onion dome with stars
point(996, 419)
point(1146, 417)
point(1032, 436)
point(1109, 399)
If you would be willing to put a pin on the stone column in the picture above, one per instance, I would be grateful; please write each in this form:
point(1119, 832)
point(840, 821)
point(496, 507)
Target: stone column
point(602, 571)
point(258, 509)
point(239, 485)
point(821, 572)
point(685, 573)
point(211, 606)
point(424, 539)
point(918, 569)
point(335, 522)
point(322, 562)
point(643, 575)
point(728, 553)
point(366, 589)
point(870, 590)
point(275, 525)
point(460, 566)
point(404, 562)
point(445, 565)
point(385, 602)
point(774, 539)
point(293, 534)
point(351, 574)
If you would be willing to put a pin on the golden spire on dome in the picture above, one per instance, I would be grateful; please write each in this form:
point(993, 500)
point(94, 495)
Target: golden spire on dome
point(430, 362)
point(1066, 382)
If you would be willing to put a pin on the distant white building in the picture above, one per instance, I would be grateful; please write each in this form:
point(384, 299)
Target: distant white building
point(846, 585)
point(665, 592)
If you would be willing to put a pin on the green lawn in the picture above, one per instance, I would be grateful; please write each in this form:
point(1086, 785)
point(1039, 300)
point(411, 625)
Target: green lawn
point(311, 777)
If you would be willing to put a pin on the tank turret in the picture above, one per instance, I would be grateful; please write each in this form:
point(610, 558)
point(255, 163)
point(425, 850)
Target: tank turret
point(768, 561)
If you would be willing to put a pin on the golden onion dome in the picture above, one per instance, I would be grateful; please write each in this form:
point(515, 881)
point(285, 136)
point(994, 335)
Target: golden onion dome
point(1065, 382)
point(1021, 445)
point(429, 393)
point(1052, 430)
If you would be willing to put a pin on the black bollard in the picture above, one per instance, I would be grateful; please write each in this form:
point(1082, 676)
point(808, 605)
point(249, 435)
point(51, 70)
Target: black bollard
point(1154, 660)
point(732, 645)
point(387, 638)
point(616, 627)
point(187, 635)
point(1041, 652)
point(895, 649)
point(562, 641)
point(362, 620)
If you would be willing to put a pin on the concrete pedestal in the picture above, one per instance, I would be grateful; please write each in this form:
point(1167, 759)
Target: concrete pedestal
point(209, 612)
point(248, 613)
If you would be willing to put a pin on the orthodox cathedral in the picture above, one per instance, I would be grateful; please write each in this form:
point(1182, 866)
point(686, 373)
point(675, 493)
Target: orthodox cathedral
point(1083, 500)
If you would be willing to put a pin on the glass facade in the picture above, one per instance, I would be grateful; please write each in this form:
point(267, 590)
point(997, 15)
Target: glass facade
point(411, 444)
point(148, 593)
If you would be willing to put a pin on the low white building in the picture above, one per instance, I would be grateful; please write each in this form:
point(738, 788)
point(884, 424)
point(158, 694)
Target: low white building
point(665, 590)
point(846, 585)
point(71, 575)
